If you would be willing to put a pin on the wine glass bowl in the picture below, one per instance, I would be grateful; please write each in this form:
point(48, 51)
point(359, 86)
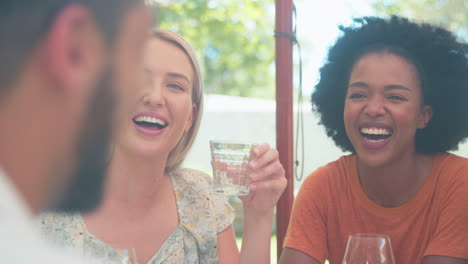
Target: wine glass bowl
point(368, 249)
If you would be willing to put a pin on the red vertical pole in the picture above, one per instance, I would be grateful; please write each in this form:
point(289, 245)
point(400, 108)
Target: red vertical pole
point(284, 113)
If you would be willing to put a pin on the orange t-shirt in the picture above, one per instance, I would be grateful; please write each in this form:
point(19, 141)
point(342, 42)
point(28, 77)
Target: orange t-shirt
point(331, 205)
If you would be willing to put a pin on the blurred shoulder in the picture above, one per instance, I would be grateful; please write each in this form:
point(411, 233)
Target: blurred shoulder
point(56, 219)
point(61, 229)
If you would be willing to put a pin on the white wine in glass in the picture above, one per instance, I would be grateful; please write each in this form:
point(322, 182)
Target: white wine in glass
point(368, 249)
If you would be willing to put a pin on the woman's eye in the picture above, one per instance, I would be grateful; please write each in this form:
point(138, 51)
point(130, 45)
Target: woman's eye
point(396, 98)
point(356, 96)
point(175, 86)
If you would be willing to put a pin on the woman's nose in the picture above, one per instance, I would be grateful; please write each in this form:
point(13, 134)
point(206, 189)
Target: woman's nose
point(375, 107)
point(154, 95)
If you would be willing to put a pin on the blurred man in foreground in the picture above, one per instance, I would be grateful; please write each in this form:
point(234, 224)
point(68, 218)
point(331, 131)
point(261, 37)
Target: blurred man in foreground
point(63, 64)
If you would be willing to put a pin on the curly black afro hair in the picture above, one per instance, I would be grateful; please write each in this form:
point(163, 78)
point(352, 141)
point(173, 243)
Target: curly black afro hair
point(442, 63)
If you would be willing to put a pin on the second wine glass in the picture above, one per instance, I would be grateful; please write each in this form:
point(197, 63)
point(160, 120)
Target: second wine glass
point(368, 249)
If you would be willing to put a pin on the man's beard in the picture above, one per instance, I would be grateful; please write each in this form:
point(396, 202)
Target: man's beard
point(85, 189)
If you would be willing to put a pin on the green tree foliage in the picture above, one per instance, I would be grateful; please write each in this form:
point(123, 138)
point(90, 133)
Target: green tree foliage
point(233, 40)
point(450, 14)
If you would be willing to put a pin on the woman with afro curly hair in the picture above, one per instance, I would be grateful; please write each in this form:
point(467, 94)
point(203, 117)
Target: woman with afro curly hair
point(394, 93)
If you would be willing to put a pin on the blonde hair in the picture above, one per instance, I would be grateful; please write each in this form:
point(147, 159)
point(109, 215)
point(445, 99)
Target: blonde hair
point(179, 152)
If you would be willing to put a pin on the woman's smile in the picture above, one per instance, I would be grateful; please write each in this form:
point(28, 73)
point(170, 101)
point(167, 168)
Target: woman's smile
point(375, 136)
point(150, 124)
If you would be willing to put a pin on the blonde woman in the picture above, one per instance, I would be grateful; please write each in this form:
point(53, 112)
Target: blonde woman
point(169, 214)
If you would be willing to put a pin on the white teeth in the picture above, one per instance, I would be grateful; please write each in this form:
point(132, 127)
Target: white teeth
point(375, 131)
point(150, 119)
point(375, 140)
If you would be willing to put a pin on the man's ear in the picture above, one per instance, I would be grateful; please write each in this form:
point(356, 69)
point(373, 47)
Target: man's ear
point(73, 49)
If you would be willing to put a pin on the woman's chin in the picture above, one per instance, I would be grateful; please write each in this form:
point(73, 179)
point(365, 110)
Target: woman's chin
point(374, 160)
point(146, 151)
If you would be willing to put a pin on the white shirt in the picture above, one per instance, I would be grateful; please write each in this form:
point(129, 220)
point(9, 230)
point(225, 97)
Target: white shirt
point(20, 240)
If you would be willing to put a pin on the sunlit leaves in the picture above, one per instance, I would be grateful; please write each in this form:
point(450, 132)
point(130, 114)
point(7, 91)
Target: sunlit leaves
point(233, 39)
point(451, 14)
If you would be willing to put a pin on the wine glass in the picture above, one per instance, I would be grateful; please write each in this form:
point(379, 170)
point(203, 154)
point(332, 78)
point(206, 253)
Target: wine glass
point(229, 162)
point(368, 249)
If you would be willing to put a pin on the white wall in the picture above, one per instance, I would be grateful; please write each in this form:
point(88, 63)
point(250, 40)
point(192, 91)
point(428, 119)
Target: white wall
point(253, 120)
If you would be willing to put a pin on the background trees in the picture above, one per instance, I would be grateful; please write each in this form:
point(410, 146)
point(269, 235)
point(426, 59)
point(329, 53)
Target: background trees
point(233, 39)
point(451, 14)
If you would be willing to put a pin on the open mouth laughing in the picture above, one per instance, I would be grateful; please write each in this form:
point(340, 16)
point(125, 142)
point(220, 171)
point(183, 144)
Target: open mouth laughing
point(375, 134)
point(150, 124)
point(375, 137)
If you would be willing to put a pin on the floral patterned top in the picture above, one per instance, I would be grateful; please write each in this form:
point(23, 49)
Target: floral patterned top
point(202, 215)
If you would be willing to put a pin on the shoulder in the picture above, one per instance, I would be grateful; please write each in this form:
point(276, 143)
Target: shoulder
point(331, 173)
point(191, 177)
point(61, 229)
point(451, 168)
point(190, 184)
point(201, 211)
point(32, 249)
point(449, 160)
point(326, 183)
point(193, 189)
point(55, 220)
point(450, 178)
